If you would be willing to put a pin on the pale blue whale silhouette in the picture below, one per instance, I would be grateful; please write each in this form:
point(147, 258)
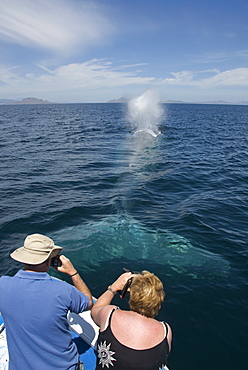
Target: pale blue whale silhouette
point(121, 236)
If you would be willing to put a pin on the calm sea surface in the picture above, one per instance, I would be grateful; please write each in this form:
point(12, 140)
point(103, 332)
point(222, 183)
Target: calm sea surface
point(175, 204)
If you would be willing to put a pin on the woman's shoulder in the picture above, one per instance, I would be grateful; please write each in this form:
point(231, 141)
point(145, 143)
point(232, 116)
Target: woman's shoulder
point(106, 310)
point(102, 314)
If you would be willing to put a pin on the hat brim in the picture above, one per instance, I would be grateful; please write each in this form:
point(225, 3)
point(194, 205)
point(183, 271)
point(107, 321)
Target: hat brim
point(24, 256)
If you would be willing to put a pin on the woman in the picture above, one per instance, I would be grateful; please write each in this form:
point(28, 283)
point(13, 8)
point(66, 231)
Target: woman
point(132, 339)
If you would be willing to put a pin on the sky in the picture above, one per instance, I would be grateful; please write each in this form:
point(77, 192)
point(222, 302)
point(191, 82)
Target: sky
point(76, 51)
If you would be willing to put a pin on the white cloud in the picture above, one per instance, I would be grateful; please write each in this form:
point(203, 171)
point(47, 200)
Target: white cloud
point(93, 74)
point(58, 25)
point(220, 56)
point(99, 76)
point(234, 77)
point(132, 65)
point(183, 77)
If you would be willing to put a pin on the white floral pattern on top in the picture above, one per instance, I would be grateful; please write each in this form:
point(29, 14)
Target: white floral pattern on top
point(105, 355)
point(4, 354)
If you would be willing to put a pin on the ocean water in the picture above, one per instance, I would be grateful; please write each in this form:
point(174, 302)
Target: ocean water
point(151, 187)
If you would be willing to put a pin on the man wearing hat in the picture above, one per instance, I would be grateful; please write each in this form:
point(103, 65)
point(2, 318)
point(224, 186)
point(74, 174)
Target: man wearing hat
point(34, 308)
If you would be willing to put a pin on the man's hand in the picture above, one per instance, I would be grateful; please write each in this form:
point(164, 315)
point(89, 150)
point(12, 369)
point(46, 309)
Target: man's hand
point(66, 265)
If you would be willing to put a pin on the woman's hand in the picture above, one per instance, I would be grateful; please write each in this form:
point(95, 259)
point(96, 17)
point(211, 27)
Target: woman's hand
point(121, 281)
point(103, 306)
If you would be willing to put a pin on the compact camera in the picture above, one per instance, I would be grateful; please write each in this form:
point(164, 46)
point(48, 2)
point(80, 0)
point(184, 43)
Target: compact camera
point(124, 291)
point(55, 262)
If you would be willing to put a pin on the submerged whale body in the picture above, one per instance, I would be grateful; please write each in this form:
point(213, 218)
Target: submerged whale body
point(117, 237)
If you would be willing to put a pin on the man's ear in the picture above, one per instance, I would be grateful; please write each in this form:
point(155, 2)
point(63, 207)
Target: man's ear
point(48, 262)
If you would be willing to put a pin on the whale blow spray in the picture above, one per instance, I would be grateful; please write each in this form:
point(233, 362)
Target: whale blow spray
point(145, 113)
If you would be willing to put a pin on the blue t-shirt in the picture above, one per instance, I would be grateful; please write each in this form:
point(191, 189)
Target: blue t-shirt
point(34, 308)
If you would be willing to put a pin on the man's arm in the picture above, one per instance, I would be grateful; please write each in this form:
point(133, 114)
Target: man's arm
point(68, 268)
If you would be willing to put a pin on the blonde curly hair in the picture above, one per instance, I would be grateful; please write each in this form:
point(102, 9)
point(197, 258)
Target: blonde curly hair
point(146, 294)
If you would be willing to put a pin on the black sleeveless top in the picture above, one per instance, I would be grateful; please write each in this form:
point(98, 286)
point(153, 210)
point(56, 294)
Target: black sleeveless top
point(111, 353)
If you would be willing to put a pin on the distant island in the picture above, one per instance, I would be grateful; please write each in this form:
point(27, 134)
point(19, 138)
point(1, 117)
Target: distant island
point(124, 100)
point(120, 100)
point(31, 100)
point(24, 101)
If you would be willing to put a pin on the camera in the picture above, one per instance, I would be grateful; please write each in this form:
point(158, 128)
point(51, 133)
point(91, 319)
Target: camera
point(124, 291)
point(55, 262)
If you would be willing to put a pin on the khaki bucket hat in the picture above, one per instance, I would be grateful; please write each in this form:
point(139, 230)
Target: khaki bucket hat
point(37, 249)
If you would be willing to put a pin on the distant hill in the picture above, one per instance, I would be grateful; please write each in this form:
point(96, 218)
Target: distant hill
point(242, 103)
point(6, 101)
point(120, 100)
point(218, 102)
point(223, 102)
point(32, 101)
point(124, 100)
point(175, 102)
point(24, 101)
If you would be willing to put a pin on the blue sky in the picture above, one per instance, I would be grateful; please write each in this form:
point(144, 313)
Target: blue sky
point(94, 51)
